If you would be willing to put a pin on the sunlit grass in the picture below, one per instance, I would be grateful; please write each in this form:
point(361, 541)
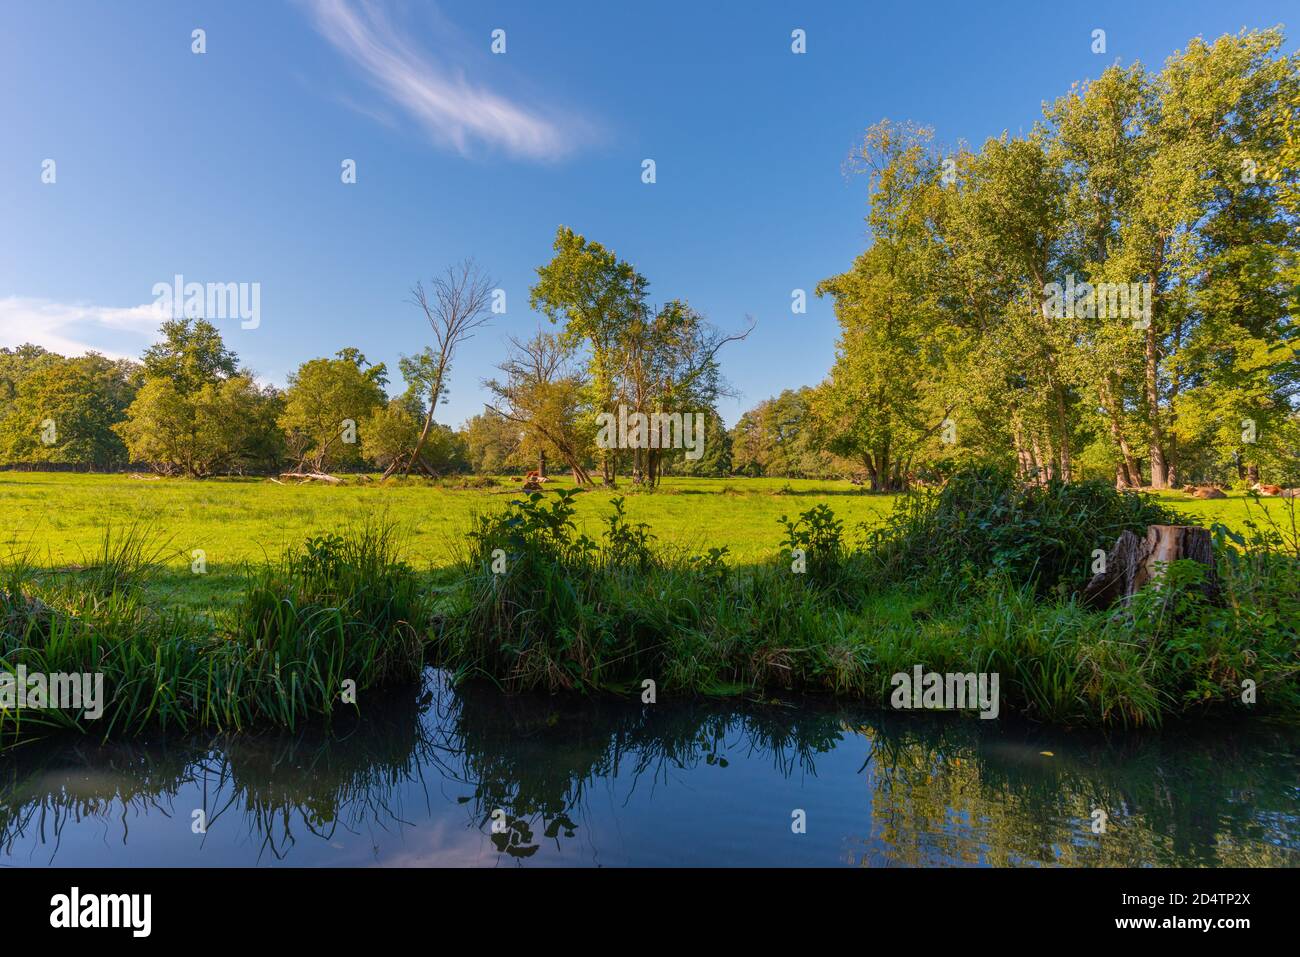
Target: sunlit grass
point(59, 518)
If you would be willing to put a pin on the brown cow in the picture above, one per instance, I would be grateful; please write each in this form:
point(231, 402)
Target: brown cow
point(1267, 489)
point(533, 481)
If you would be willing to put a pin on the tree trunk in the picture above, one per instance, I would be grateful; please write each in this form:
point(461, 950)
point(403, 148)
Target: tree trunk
point(1036, 451)
point(1063, 426)
point(1135, 562)
point(1130, 471)
point(1151, 362)
point(1022, 454)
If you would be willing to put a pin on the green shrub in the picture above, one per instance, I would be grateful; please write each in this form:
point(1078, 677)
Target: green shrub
point(985, 522)
point(818, 536)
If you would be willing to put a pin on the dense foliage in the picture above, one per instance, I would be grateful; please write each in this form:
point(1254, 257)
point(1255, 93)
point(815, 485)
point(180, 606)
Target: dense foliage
point(544, 606)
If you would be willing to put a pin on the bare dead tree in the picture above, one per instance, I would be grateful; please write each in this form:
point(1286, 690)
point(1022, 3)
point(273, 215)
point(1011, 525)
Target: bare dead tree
point(457, 303)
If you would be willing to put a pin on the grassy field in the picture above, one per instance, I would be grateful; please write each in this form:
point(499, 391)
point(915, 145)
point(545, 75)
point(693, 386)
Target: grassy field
point(58, 519)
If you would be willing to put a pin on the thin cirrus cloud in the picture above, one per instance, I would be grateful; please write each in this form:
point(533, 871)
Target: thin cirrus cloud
point(451, 110)
point(118, 332)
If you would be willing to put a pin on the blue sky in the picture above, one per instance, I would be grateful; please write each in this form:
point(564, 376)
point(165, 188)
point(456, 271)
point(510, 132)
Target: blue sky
point(225, 166)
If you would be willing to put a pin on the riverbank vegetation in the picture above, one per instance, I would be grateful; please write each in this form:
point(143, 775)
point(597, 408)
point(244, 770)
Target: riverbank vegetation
point(314, 630)
point(983, 576)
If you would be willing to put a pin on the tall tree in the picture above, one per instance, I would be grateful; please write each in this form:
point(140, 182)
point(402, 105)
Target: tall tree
point(197, 413)
point(886, 396)
point(191, 354)
point(65, 410)
point(598, 296)
point(325, 405)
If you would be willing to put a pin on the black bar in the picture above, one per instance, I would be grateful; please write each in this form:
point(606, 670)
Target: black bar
point(341, 906)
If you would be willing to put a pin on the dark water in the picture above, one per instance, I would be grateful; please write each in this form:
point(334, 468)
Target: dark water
point(583, 782)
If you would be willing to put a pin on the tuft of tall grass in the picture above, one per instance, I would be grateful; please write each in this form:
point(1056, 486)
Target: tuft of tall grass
point(336, 616)
point(338, 608)
point(128, 557)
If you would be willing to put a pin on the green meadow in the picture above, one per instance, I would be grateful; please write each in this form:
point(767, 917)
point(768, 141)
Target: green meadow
point(57, 520)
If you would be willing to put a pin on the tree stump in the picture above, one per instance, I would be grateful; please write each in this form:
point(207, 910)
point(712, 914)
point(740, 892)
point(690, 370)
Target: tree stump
point(1134, 562)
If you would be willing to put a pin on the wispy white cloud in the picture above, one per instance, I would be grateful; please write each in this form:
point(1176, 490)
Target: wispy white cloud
point(451, 110)
point(75, 328)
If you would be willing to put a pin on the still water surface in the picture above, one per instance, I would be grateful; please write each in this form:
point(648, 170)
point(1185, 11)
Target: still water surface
point(573, 781)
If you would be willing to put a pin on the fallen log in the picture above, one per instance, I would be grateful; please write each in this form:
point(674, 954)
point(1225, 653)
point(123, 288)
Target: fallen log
point(1136, 562)
point(311, 477)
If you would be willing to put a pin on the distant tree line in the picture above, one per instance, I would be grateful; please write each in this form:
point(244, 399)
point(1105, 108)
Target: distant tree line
point(188, 409)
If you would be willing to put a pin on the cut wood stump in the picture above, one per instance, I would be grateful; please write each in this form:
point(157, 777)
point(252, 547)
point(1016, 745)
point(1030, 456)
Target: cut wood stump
point(1135, 562)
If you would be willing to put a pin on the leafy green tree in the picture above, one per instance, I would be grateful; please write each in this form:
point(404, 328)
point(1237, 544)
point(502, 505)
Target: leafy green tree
point(1169, 194)
point(887, 396)
point(15, 365)
point(542, 396)
point(224, 426)
point(670, 366)
point(598, 296)
point(779, 438)
point(325, 405)
point(65, 410)
point(391, 432)
point(191, 355)
point(494, 444)
point(716, 461)
point(196, 413)
point(1194, 220)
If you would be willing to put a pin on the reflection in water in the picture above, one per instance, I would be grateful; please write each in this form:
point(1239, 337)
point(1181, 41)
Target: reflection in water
point(469, 776)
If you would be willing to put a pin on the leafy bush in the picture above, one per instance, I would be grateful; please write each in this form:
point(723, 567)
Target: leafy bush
point(535, 594)
point(985, 522)
point(819, 538)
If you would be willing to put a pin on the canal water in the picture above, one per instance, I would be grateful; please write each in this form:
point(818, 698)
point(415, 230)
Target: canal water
point(468, 776)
